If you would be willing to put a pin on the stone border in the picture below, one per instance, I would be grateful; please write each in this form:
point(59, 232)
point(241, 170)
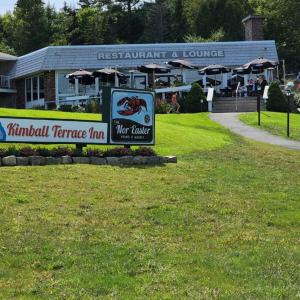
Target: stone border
point(12, 160)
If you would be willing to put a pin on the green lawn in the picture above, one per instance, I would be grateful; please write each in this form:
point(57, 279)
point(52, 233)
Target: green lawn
point(275, 123)
point(223, 223)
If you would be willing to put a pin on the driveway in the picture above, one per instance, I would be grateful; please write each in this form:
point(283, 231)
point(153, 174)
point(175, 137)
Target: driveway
point(232, 122)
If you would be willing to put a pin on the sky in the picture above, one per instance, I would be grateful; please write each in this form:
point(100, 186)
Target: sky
point(6, 5)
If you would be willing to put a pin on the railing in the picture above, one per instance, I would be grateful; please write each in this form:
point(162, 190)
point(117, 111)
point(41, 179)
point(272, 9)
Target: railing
point(5, 82)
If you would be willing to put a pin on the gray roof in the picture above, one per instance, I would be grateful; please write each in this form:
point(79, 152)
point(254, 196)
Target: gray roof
point(7, 57)
point(130, 56)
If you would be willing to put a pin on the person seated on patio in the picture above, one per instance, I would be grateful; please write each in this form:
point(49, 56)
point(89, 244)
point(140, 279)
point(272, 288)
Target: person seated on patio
point(175, 103)
point(242, 91)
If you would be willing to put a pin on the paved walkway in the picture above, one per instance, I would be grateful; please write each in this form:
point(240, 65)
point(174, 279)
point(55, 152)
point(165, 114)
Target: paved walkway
point(231, 121)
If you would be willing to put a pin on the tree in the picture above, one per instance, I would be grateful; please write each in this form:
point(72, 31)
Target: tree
point(193, 99)
point(180, 24)
point(30, 31)
point(276, 99)
point(215, 14)
point(158, 13)
point(215, 37)
point(91, 26)
point(281, 24)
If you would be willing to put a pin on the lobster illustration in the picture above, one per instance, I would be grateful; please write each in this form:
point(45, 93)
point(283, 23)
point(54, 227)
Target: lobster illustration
point(132, 105)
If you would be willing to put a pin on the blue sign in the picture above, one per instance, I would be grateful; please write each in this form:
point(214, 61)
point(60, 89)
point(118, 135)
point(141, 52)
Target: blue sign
point(132, 117)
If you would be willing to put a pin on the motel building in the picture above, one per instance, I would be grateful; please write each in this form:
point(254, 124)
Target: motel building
point(39, 78)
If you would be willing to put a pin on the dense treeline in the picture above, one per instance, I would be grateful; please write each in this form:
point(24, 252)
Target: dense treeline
point(33, 25)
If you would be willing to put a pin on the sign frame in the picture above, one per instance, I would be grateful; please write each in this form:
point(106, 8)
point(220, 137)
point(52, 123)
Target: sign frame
point(49, 143)
point(110, 92)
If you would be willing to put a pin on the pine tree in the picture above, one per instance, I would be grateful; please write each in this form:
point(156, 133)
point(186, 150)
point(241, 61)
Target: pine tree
point(180, 24)
point(31, 26)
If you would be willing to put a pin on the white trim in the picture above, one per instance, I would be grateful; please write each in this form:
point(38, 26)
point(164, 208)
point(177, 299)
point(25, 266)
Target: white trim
point(56, 90)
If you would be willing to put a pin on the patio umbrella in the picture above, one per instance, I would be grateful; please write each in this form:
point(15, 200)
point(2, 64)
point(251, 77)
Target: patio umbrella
point(214, 70)
point(260, 63)
point(182, 64)
point(152, 69)
point(110, 74)
point(83, 76)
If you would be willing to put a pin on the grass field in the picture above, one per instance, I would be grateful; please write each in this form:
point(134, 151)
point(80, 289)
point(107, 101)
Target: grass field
point(223, 223)
point(275, 123)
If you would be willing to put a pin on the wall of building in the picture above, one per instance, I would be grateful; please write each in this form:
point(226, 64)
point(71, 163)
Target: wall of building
point(49, 78)
point(20, 97)
point(8, 100)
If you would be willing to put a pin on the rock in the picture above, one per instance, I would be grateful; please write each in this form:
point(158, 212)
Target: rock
point(139, 160)
point(152, 160)
point(9, 161)
point(22, 161)
point(170, 159)
point(66, 160)
point(81, 160)
point(53, 160)
point(98, 160)
point(37, 160)
point(0, 162)
point(126, 160)
point(113, 161)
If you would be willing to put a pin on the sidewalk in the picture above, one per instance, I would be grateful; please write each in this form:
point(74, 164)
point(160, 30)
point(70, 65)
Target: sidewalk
point(232, 122)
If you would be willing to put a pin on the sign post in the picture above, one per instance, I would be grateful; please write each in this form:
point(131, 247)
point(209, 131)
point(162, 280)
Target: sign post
point(131, 115)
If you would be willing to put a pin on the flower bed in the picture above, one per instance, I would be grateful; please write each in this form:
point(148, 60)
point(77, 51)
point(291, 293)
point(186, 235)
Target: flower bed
point(65, 155)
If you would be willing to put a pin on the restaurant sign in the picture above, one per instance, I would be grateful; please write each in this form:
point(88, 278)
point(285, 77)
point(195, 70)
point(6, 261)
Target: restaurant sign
point(128, 119)
point(26, 130)
point(110, 55)
point(132, 117)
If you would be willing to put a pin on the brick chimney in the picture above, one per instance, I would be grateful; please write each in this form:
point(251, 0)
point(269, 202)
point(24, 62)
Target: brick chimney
point(253, 28)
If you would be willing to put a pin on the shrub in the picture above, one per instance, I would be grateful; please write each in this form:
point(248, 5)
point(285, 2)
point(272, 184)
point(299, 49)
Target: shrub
point(66, 108)
point(27, 151)
point(3, 152)
point(163, 107)
point(145, 151)
point(61, 151)
point(92, 106)
point(118, 152)
point(78, 108)
point(297, 99)
point(43, 152)
point(276, 99)
point(12, 151)
point(193, 99)
point(94, 152)
point(78, 153)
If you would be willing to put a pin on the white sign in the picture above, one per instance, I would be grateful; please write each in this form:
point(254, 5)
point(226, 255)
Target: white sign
point(52, 131)
point(266, 92)
point(108, 55)
point(210, 94)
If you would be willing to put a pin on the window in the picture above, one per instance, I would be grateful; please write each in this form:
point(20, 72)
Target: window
point(34, 88)
point(34, 83)
point(28, 89)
